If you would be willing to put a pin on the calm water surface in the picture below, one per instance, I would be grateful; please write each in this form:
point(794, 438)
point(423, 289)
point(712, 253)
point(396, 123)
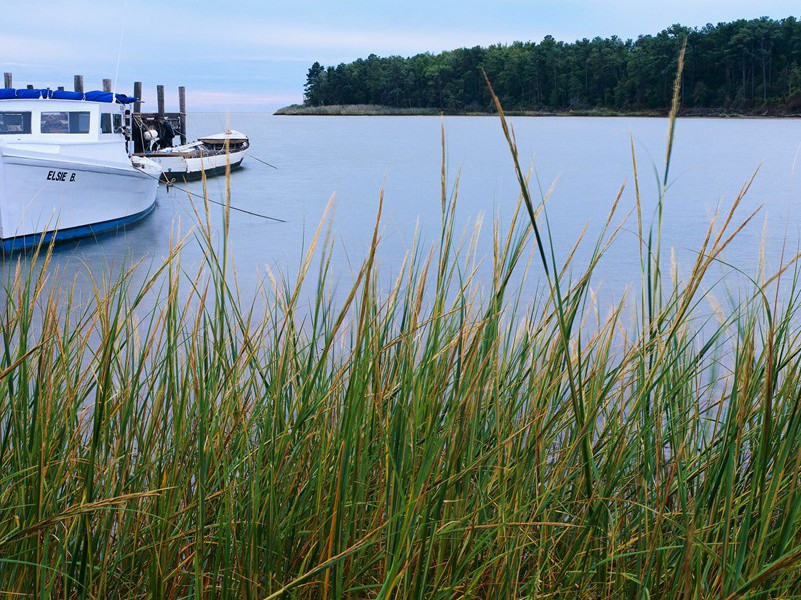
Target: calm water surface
point(587, 160)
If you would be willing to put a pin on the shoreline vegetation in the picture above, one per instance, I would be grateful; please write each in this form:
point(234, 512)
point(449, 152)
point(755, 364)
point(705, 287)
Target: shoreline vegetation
point(744, 67)
point(348, 110)
point(440, 437)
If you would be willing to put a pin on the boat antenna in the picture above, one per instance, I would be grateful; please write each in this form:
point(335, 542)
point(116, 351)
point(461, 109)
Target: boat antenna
point(119, 50)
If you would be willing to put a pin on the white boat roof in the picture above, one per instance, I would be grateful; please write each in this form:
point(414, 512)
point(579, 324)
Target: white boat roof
point(230, 135)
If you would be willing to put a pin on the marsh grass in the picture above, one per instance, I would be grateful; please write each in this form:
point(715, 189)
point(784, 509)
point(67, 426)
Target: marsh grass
point(342, 110)
point(437, 438)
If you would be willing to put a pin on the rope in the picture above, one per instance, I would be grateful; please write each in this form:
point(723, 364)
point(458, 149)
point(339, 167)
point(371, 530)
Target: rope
point(264, 162)
point(170, 183)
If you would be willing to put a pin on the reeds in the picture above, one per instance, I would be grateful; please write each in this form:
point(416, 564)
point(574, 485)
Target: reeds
point(341, 110)
point(427, 440)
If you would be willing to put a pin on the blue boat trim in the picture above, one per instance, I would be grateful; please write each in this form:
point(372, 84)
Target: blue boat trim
point(62, 235)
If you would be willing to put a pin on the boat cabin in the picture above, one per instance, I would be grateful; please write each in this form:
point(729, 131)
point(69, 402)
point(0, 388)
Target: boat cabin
point(62, 117)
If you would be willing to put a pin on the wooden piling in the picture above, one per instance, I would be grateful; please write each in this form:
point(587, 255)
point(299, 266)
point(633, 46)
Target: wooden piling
point(107, 85)
point(182, 111)
point(8, 80)
point(176, 119)
point(160, 97)
point(78, 83)
point(137, 107)
point(29, 86)
point(61, 88)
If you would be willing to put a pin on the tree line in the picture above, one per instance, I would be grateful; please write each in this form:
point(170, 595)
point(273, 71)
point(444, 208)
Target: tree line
point(742, 65)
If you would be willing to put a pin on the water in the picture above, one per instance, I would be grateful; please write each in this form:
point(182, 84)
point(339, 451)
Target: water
point(350, 159)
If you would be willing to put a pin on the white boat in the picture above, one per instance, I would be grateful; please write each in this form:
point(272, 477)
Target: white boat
point(65, 170)
point(209, 156)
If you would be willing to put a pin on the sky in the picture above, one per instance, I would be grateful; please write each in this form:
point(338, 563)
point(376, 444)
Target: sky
point(253, 55)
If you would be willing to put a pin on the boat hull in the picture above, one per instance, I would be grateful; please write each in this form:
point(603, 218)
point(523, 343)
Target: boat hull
point(45, 196)
point(180, 168)
point(33, 240)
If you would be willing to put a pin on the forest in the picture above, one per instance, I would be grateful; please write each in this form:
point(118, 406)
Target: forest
point(740, 66)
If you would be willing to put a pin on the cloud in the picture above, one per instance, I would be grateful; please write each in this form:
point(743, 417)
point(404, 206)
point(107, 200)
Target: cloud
point(221, 100)
point(360, 41)
point(23, 50)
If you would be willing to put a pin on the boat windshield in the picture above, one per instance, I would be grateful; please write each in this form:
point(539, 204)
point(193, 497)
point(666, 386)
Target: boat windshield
point(15, 122)
point(65, 122)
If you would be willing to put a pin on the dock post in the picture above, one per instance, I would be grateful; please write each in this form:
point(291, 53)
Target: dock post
point(8, 79)
point(182, 110)
point(61, 88)
point(107, 85)
point(29, 86)
point(137, 107)
point(160, 97)
point(78, 80)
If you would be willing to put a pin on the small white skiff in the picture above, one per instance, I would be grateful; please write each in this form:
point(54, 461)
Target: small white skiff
point(209, 155)
point(65, 171)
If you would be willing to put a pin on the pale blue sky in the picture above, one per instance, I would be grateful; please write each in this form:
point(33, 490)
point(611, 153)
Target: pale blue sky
point(251, 55)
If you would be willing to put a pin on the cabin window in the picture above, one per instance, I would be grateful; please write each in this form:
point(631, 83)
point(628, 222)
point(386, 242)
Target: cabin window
point(105, 123)
point(65, 122)
point(12, 123)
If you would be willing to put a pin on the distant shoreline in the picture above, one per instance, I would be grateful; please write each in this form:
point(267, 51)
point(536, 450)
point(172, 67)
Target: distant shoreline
point(362, 110)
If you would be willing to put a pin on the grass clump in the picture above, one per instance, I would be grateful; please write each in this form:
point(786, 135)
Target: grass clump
point(342, 110)
point(429, 440)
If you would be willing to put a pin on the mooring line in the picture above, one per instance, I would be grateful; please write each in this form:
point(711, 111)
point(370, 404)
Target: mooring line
point(170, 183)
point(262, 161)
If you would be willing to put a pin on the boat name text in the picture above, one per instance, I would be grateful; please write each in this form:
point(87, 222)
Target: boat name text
point(60, 176)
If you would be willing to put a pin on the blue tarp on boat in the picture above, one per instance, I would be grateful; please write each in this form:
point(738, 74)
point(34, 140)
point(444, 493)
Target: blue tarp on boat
point(65, 95)
point(98, 96)
point(31, 93)
point(92, 96)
